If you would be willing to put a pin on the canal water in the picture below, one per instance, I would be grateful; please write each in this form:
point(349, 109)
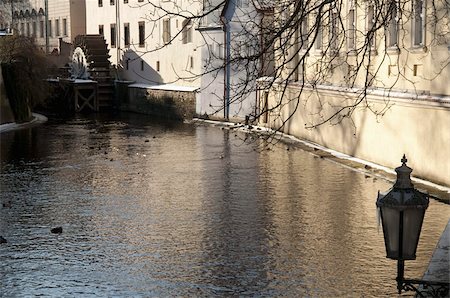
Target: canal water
point(165, 209)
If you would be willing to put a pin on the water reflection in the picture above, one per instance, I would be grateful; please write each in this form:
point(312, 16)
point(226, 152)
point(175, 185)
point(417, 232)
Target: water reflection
point(181, 210)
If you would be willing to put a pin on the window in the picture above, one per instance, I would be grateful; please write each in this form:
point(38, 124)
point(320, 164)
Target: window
point(318, 41)
point(218, 50)
point(28, 29)
point(41, 29)
point(371, 25)
point(157, 65)
point(418, 23)
point(140, 0)
point(100, 30)
point(57, 29)
point(100, 3)
point(125, 1)
point(304, 33)
point(22, 28)
point(142, 65)
point(112, 2)
point(166, 31)
point(64, 22)
point(333, 30)
point(34, 28)
point(393, 24)
point(141, 34)
point(351, 26)
point(49, 28)
point(126, 34)
point(187, 31)
point(113, 35)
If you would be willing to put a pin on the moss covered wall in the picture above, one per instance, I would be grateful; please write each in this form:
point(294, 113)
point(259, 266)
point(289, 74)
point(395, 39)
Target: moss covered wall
point(160, 103)
point(6, 114)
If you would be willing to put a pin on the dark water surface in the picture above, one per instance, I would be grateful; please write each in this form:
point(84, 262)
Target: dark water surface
point(187, 210)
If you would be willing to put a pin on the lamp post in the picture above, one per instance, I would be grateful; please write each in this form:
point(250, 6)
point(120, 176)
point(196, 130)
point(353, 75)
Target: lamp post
point(402, 210)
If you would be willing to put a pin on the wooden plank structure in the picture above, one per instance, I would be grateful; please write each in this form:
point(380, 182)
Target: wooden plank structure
point(85, 95)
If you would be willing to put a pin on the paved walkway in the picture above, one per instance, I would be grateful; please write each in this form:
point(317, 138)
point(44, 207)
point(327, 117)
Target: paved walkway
point(439, 267)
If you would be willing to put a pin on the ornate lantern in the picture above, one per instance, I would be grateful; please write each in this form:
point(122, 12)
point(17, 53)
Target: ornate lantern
point(402, 210)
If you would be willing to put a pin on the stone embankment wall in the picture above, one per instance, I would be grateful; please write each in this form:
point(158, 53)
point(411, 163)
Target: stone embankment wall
point(6, 115)
point(168, 104)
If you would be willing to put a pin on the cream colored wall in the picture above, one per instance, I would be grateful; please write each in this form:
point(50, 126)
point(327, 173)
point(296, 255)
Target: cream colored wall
point(403, 113)
point(415, 127)
point(174, 58)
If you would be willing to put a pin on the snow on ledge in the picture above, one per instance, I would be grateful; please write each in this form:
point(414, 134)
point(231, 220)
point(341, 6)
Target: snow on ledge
point(168, 87)
point(37, 118)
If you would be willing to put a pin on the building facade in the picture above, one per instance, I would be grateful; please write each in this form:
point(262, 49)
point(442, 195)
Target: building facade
point(230, 58)
point(149, 43)
point(366, 78)
point(65, 20)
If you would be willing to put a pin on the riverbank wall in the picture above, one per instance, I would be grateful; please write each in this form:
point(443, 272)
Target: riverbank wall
point(162, 101)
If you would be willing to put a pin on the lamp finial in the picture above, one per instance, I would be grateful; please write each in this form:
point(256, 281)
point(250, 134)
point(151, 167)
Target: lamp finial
point(404, 160)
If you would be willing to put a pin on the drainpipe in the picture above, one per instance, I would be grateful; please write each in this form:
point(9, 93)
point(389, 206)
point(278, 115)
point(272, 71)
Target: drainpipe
point(47, 41)
point(12, 17)
point(226, 77)
point(118, 32)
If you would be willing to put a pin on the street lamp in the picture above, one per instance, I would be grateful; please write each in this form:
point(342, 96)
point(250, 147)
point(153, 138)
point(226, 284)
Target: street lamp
point(402, 210)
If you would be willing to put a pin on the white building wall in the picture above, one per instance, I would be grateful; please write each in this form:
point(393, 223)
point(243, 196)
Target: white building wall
point(242, 24)
point(154, 62)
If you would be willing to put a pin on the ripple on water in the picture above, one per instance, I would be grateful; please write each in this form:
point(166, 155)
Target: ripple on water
point(183, 210)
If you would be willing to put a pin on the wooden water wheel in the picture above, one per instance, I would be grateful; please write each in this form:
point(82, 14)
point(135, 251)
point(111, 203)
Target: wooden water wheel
point(96, 54)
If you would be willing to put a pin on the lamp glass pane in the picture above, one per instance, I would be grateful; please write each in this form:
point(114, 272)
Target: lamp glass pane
point(390, 218)
point(412, 223)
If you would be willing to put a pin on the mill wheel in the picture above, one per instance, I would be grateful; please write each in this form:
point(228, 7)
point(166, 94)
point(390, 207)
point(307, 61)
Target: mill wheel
point(96, 55)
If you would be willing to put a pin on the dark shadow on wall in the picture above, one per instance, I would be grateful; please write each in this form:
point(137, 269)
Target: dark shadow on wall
point(166, 104)
point(134, 68)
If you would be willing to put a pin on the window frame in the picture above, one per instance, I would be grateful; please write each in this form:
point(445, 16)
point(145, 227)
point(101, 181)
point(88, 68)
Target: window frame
point(351, 25)
point(186, 33)
point(126, 34)
point(333, 30)
point(64, 23)
point(113, 35)
point(57, 28)
point(393, 25)
point(371, 24)
point(418, 24)
point(141, 30)
point(166, 34)
point(49, 28)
